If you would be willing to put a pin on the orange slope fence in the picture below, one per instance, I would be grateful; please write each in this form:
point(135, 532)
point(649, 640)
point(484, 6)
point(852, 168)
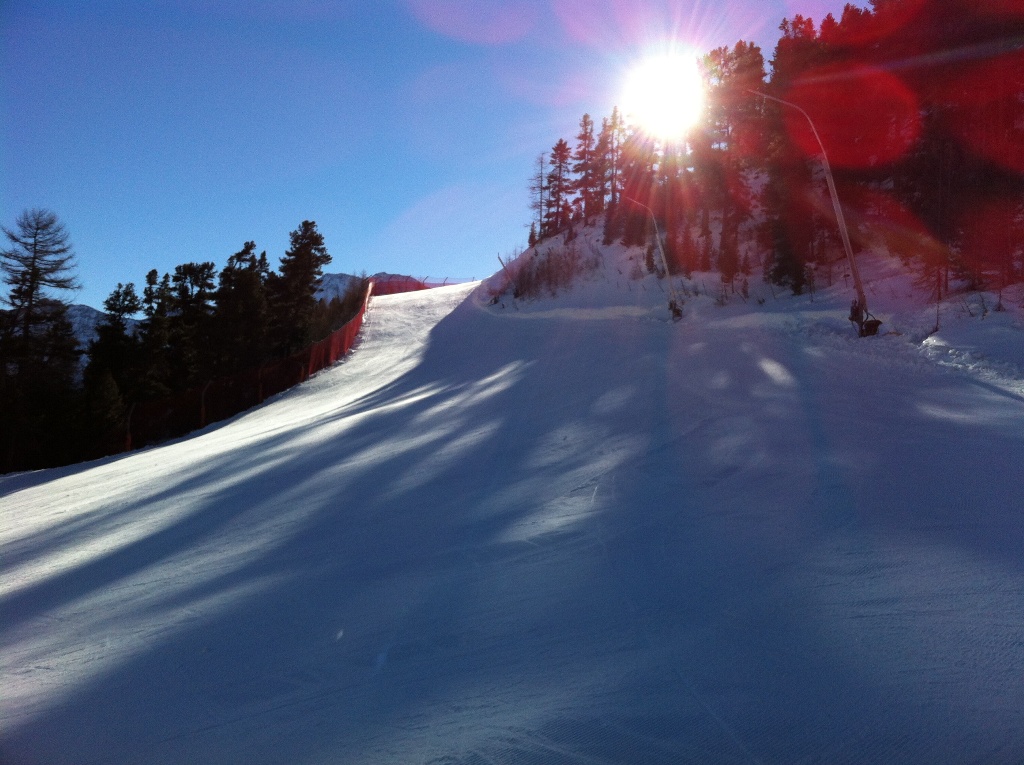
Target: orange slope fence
point(150, 422)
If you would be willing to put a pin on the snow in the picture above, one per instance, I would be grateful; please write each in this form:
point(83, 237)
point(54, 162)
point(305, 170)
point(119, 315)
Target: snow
point(560, 530)
point(337, 285)
point(334, 286)
point(84, 321)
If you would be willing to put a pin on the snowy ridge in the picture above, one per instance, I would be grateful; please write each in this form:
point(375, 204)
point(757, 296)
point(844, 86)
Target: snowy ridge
point(597, 536)
point(84, 321)
point(334, 286)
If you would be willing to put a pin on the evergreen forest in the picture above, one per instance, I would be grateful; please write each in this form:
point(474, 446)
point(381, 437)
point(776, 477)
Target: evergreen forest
point(918, 106)
point(60, 403)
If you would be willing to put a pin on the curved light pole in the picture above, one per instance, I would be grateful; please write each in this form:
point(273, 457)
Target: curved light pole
point(840, 219)
point(673, 305)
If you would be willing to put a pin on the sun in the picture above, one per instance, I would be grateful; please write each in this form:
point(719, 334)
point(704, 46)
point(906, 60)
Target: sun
point(664, 96)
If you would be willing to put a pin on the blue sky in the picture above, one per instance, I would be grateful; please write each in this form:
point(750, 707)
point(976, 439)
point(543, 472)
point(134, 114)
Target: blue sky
point(169, 131)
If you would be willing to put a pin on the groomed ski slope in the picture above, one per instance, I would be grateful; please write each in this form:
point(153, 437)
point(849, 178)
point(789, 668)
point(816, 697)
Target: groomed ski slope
point(566, 531)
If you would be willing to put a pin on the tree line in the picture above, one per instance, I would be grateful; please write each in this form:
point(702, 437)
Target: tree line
point(919, 105)
point(57, 400)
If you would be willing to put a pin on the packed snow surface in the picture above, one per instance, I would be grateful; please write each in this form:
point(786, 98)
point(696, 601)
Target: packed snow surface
point(561, 530)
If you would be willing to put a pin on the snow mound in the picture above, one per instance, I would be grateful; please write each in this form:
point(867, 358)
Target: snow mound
point(614, 282)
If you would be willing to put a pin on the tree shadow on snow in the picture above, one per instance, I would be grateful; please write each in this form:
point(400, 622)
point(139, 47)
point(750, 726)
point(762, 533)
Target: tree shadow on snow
point(501, 556)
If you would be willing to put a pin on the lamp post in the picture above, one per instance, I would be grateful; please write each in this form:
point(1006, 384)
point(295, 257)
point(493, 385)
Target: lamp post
point(673, 305)
point(840, 219)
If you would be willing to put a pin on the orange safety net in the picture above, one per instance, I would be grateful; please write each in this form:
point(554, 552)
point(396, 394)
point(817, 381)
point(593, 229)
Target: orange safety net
point(154, 421)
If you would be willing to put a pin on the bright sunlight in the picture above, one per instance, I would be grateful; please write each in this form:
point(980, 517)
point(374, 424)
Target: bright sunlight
point(664, 96)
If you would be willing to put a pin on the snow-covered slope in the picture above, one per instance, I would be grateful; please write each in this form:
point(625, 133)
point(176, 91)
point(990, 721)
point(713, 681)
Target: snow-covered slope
point(563, 530)
point(84, 321)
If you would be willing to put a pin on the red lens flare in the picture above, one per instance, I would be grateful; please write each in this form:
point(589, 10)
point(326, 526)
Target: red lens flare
point(991, 240)
point(864, 116)
point(879, 220)
point(986, 109)
point(1000, 7)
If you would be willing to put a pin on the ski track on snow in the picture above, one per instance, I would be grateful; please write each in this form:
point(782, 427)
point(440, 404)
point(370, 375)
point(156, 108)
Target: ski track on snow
point(592, 537)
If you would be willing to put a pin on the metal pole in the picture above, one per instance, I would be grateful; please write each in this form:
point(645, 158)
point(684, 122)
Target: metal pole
point(674, 305)
point(840, 218)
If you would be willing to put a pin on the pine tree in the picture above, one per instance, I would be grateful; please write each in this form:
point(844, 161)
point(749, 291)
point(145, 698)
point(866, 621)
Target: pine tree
point(609, 155)
point(790, 232)
point(673, 184)
point(38, 351)
point(241, 314)
point(735, 135)
point(190, 318)
point(155, 372)
point(116, 350)
point(588, 186)
point(559, 183)
point(39, 262)
point(538, 195)
point(797, 52)
point(735, 110)
point(111, 380)
point(292, 291)
point(639, 165)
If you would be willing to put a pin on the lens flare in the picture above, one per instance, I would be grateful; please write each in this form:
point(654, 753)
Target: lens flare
point(990, 235)
point(985, 109)
point(664, 96)
point(865, 117)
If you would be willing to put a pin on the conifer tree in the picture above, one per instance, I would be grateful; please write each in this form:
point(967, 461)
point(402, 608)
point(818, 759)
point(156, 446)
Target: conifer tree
point(38, 267)
point(639, 160)
point(38, 350)
point(609, 155)
point(559, 184)
point(673, 183)
point(735, 131)
point(588, 186)
point(734, 114)
point(116, 349)
point(608, 151)
point(292, 291)
point(155, 374)
point(798, 51)
point(111, 377)
point(789, 228)
point(241, 314)
point(192, 290)
point(538, 195)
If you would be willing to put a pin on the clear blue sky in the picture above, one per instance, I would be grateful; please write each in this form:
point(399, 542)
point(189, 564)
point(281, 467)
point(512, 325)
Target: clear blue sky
point(167, 131)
